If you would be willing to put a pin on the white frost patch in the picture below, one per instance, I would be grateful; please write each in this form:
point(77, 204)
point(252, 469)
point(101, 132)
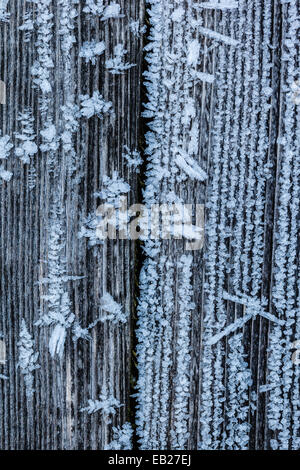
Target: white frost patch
point(108, 304)
point(116, 64)
point(190, 167)
point(41, 75)
point(97, 7)
point(218, 37)
point(178, 14)
point(57, 340)
point(26, 26)
point(189, 111)
point(27, 358)
point(94, 105)
point(136, 28)
point(89, 229)
point(107, 405)
point(79, 332)
point(26, 147)
point(221, 5)
point(4, 16)
point(266, 388)
point(91, 50)
point(111, 11)
point(133, 157)
point(254, 307)
point(50, 138)
point(112, 189)
point(122, 438)
point(5, 147)
point(202, 77)
point(5, 175)
point(193, 53)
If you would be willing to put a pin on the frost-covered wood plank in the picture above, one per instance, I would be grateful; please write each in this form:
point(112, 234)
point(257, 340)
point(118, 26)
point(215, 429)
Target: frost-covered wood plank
point(249, 137)
point(216, 323)
point(178, 91)
point(67, 117)
point(245, 234)
point(283, 373)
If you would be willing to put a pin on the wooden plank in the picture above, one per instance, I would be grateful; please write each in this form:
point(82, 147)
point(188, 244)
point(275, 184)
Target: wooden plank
point(189, 347)
point(52, 418)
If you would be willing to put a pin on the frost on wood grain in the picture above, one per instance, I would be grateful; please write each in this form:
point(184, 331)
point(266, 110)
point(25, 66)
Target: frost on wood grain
point(122, 438)
point(217, 327)
point(27, 358)
point(242, 221)
point(107, 405)
point(174, 168)
point(251, 244)
point(61, 134)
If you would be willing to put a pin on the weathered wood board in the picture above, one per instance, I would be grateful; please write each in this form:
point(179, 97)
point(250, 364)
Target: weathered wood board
point(162, 102)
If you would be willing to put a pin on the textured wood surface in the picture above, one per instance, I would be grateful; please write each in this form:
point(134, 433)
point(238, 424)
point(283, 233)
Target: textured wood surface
point(220, 128)
point(239, 387)
point(53, 420)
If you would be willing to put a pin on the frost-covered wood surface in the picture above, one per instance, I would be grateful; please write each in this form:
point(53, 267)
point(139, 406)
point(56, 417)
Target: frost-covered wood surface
point(205, 337)
point(50, 269)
